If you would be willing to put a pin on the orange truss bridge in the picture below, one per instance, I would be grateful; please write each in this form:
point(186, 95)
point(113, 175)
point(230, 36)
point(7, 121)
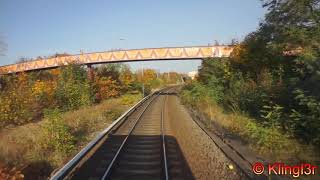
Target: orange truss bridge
point(147, 54)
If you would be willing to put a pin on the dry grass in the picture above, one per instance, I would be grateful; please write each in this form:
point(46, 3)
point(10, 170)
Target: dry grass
point(266, 142)
point(15, 143)
point(19, 146)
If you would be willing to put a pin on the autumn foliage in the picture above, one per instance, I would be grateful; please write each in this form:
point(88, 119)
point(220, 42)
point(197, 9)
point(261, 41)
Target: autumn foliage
point(25, 96)
point(16, 101)
point(279, 91)
point(107, 87)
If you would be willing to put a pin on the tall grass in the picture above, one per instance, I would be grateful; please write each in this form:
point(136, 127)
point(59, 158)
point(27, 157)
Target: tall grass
point(60, 135)
point(267, 141)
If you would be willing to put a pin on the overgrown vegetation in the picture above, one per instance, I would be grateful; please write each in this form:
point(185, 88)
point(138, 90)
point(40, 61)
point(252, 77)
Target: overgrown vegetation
point(73, 88)
point(271, 80)
point(49, 115)
point(25, 96)
point(59, 136)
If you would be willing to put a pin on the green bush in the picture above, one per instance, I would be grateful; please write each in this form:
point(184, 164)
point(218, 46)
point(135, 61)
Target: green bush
point(304, 119)
point(273, 115)
point(57, 135)
point(73, 90)
point(266, 139)
point(265, 136)
point(130, 99)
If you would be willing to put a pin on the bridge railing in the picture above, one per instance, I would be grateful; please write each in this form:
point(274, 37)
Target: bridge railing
point(193, 52)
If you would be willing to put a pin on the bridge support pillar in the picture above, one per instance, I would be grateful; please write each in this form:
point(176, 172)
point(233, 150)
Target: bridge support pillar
point(90, 72)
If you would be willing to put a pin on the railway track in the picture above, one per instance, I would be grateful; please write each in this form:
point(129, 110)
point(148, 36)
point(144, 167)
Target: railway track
point(134, 147)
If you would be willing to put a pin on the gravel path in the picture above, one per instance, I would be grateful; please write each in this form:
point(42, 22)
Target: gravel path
point(204, 158)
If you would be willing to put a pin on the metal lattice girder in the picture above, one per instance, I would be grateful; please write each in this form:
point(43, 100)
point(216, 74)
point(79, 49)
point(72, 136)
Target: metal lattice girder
point(196, 52)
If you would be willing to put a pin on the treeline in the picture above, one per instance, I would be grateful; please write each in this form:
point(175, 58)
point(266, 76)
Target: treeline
point(25, 96)
point(274, 74)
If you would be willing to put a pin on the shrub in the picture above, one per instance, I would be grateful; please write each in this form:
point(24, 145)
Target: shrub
point(265, 135)
point(304, 120)
point(129, 99)
point(272, 115)
point(57, 135)
point(266, 139)
point(196, 92)
point(73, 89)
point(16, 102)
point(44, 91)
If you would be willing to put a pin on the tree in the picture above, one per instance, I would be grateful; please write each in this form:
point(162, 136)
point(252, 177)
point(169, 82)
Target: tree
point(110, 70)
point(73, 88)
point(146, 76)
point(108, 87)
point(171, 77)
point(293, 25)
point(108, 81)
point(279, 89)
point(126, 77)
point(17, 102)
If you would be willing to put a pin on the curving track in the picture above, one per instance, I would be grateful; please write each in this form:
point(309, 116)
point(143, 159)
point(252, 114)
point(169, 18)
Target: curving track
point(135, 148)
point(155, 140)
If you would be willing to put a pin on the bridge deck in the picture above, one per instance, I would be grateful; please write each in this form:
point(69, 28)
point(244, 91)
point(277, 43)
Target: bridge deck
point(194, 52)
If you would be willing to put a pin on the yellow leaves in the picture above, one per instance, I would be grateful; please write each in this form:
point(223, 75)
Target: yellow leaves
point(22, 78)
point(146, 76)
point(149, 75)
point(11, 109)
point(226, 70)
point(126, 77)
point(38, 87)
point(44, 90)
point(16, 102)
point(237, 54)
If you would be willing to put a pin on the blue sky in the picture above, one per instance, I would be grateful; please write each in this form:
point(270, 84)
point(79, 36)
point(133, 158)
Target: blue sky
point(41, 27)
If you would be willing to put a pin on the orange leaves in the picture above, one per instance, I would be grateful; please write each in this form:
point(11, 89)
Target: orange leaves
point(13, 173)
point(55, 72)
point(108, 87)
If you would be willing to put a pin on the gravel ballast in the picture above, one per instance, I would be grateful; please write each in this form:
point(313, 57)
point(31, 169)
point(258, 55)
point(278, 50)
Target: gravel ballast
point(204, 158)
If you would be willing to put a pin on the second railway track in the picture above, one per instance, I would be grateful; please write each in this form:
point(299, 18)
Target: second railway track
point(136, 148)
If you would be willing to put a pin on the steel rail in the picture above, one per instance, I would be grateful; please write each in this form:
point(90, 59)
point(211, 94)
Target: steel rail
point(63, 172)
point(108, 171)
point(163, 140)
point(249, 175)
